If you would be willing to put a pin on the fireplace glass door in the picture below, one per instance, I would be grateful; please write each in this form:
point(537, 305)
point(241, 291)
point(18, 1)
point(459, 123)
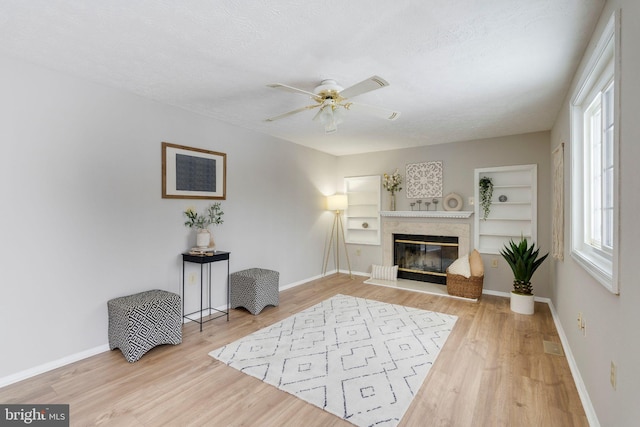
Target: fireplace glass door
point(424, 258)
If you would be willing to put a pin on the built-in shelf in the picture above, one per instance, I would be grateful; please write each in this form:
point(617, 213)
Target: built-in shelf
point(427, 214)
point(362, 219)
point(511, 219)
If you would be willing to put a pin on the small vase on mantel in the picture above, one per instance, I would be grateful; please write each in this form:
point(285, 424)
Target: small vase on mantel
point(392, 202)
point(203, 238)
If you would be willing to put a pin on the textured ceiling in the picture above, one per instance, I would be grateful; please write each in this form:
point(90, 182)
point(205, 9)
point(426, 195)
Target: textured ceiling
point(458, 70)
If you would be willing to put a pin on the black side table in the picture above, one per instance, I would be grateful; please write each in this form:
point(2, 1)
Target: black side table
point(202, 260)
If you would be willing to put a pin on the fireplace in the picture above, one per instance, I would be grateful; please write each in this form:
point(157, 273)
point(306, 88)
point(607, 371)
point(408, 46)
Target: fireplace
point(435, 224)
point(424, 258)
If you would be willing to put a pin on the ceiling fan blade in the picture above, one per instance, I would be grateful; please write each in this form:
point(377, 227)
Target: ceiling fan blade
point(371, 110)
point(293, 89)
point(291, 113)
point(372, 83)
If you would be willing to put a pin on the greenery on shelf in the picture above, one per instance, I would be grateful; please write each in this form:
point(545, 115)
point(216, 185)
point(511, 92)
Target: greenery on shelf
point(486, 193)
point(213, 215)
point(524, 261)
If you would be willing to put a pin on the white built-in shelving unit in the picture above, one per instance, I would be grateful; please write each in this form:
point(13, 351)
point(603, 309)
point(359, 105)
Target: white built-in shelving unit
point(512, 218)
point(362, 217)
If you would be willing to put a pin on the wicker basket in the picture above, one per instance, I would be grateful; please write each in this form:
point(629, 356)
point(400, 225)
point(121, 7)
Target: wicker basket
point(461, 286)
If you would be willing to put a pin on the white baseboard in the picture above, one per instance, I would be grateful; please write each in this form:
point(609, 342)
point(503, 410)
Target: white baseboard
point(49, 366)
point(301, 282)
point(508, 295)
point(589, 410)
point(496, 293)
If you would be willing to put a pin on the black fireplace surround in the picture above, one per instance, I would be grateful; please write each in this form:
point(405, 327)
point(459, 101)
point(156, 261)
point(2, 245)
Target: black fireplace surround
point(424, 258)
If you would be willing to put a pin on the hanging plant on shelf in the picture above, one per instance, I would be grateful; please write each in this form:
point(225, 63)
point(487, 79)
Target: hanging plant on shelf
point(486, 192)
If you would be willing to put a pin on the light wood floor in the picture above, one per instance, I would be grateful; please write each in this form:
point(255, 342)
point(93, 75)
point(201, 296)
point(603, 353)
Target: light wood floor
point(491, 372)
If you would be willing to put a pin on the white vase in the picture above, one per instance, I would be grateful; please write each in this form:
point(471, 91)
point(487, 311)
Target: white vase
point(203, 238)
point(522, 304)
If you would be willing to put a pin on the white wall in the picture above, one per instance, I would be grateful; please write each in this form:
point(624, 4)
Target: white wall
point(82, 218)
point(611, 320)
point(459, 161)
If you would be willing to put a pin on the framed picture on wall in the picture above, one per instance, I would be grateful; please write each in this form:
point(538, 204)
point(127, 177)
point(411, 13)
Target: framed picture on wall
point(193, 173)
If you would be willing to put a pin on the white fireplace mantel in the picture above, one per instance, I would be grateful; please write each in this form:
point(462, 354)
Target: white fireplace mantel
point(426, 214)
point(420, 222)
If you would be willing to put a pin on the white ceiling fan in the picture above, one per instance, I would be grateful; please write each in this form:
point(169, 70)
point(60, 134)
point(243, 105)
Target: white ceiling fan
point(332, 100)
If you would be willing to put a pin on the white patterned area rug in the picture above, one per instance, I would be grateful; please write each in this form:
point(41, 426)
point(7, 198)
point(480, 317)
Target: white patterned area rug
point(359, 359)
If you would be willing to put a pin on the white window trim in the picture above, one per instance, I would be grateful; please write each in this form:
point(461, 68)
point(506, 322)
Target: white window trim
point(604, 270)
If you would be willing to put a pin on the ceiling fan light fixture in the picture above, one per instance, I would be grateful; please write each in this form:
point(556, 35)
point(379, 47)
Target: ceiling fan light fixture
point(332, 99)
point(328, 88)
point(330, 127)
point(330, 115)
point(338, 114)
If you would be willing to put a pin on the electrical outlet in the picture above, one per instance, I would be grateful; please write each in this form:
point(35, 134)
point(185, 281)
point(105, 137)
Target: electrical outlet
point(192, 278)
point(584, 327)
point(580, 320)
point(613, 375)
point(494, 263)
point(358, 252)
point(471, 201)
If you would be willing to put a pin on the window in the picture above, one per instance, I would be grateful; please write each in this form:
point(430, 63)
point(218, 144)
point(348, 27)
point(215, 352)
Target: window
point(594, 175)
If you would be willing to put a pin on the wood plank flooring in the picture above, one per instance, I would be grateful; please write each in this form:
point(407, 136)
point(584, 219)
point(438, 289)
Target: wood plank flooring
point(492, 372)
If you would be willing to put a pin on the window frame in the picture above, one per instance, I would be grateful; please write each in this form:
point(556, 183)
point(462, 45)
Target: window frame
point(601, 71)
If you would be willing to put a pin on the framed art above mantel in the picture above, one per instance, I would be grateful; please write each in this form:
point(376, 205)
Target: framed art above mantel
point(193, 173)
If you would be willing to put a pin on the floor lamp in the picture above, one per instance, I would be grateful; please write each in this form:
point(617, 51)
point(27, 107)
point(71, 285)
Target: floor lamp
point(337, 203)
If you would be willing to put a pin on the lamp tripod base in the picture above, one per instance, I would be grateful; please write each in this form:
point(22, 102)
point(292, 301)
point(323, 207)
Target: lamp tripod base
point(338, 229)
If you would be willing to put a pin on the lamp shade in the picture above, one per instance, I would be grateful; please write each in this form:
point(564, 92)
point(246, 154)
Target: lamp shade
point(337, 202)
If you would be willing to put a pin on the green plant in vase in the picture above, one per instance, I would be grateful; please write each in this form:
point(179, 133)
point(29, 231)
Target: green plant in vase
point(524, 260)
point(213, 215)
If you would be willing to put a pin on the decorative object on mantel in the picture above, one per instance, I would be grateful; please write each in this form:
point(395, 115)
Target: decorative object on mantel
point(424, 180)
point(486, 192)
point(524, 261)
point(391, 183)
point(435, 204)
point(452, 202)
point(427, 214)
point(213, 215)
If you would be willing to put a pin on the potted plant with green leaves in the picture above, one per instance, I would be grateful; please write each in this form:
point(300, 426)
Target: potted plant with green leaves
point(524, 260)
point(486, 193)
point(213, 215)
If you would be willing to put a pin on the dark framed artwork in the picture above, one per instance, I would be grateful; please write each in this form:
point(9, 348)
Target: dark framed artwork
point(193, 173)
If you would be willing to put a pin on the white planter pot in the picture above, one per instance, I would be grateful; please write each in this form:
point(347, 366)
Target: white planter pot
point(203, 238)
point(522, 304)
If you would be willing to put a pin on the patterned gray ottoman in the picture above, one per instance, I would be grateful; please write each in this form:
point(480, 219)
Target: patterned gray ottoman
point(254, 289)
point(139, 322)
